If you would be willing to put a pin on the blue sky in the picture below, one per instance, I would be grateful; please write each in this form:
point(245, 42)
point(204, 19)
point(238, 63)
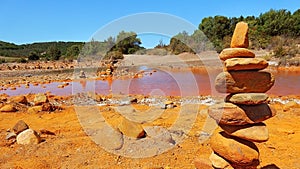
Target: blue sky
point(56, 20)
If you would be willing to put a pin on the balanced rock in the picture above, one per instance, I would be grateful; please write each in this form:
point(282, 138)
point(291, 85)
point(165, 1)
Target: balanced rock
point(245, 64)
point(244, 82)
point(28, 136)
point(20, 126)
point(131, 129)
point(231, 114)
point(229, 53)
point(235, 150)
point(8, 108)
point(247, 98)
point(40, 98)
point(219, 162)
point(19, 99)
point(252, 132)
point(240, 36)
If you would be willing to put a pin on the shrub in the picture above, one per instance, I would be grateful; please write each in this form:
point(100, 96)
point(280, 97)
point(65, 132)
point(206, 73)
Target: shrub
point(22, 60)
point(113, 55)
point(33, 56)
point(2, 61)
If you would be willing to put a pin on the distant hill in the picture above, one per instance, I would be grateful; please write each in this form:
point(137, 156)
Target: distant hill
point(24, 50)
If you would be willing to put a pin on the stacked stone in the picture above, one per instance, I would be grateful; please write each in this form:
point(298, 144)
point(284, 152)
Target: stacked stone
point(242, 114)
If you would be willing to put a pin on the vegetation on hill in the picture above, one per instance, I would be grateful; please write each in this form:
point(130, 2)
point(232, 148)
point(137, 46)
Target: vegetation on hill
point(34, 51)
point(125, 43)
point(276, 31)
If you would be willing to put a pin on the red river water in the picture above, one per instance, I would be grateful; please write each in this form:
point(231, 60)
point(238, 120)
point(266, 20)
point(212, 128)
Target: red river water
point(168, 83)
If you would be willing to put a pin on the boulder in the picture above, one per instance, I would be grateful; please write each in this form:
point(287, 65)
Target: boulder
point(131, 129)
point(19, 99)
point(247, 98)
point(229, 53)
point(231, 114)
point(235, 150)
point(106, 136)
point(40, 98)
point(252, 132)
point(28, 136)
point(219, 162)
point(8, 108)
point(244, 82)
point(20, 126)
point(34, 109)
point(245, 64)
point(240, 36)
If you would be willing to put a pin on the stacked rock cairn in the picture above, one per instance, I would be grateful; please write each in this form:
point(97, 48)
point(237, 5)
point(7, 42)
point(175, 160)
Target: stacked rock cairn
point(242, 114)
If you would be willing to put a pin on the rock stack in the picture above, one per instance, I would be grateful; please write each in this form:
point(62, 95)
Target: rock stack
point(242, 114)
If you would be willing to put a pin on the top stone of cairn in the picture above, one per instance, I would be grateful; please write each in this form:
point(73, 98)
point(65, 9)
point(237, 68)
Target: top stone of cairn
point(240, 36)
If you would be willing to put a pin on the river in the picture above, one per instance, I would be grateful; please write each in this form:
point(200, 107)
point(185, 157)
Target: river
point(168, 83)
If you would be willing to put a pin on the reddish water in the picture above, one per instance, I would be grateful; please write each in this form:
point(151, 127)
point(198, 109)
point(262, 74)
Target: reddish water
point(286, 83)
point(176, 83)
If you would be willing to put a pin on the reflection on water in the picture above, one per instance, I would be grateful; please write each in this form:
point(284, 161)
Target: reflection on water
point(173, 83)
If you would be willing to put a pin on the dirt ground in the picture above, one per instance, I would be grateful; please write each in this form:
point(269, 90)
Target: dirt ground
point(70, 147)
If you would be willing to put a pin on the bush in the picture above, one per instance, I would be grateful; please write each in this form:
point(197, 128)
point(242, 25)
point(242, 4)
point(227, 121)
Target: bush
point(279, 52)
point(2, 61)
point(33, 56)
point(22, 60)
point(267, 57)
point(113, 55)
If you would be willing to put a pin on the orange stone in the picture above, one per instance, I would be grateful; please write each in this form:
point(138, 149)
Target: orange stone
point(235, 150)
point(229, 53)
point(240, 36)
point(244, 81)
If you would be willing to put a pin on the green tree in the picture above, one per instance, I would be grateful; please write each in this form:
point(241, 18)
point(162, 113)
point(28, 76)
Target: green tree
point(276, 22)
point(177, 46)
point(73, 51)
point(296, 23)
point(53, 53)
point(127, 43)
point(216, 28)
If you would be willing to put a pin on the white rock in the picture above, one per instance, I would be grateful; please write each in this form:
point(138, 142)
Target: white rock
point(28, 136)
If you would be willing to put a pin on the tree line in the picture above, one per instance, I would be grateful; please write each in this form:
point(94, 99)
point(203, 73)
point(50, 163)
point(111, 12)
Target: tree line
point(111, 48)
point(280, 25)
